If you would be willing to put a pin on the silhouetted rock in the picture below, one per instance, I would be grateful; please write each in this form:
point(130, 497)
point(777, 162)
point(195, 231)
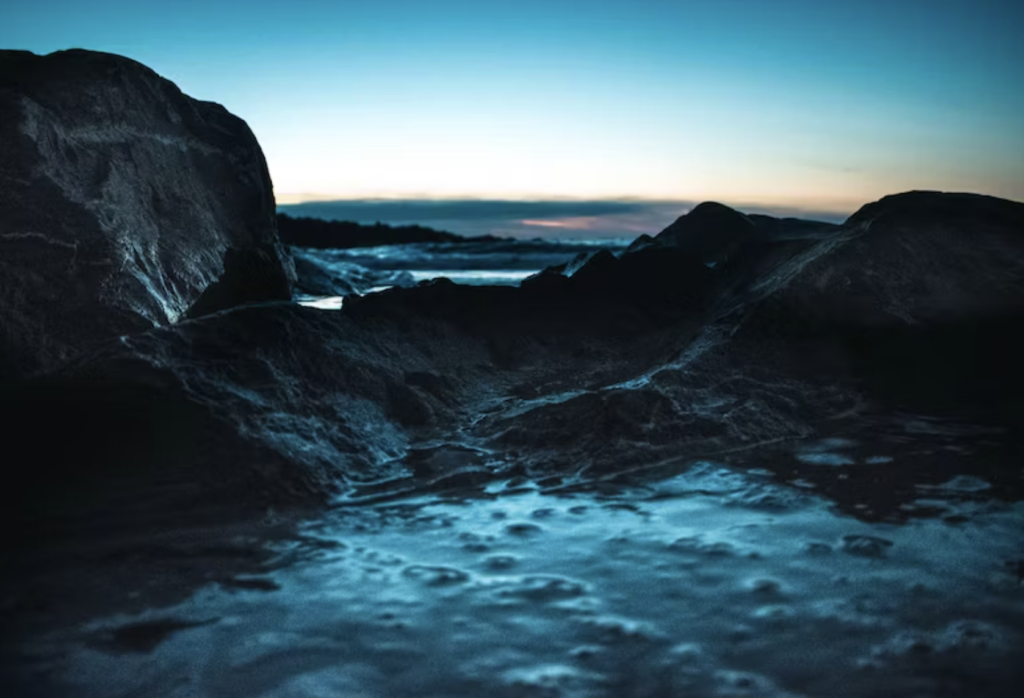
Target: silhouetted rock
point(552, 279)
point(920, 295)
point(641, 242)
point(921, 207)
point(910, 260)
point(710, 231)
point(594, 270)
point(121, 201)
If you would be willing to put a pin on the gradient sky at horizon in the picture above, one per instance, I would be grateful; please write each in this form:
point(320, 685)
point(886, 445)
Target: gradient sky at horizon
point(791, 103)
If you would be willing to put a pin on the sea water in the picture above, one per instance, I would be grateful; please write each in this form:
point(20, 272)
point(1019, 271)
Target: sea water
point(710, 581)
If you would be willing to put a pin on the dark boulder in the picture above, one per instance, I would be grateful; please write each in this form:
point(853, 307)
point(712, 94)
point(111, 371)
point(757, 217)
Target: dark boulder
point(920, 295)
point(710, 231)
point(915, 259)
point(121, 201)
point(608, 363)
point(917, 207)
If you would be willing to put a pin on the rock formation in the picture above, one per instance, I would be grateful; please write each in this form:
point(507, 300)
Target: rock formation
point(710, 231)
point(128, 208)
point(921, 292)
point(124, 204)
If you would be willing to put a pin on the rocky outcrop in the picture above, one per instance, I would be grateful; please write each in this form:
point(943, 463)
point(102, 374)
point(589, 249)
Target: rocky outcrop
point(710, 231)
point(918, 208)
point(919, 294)
point(912, 259)
point(122, 202)
point(914, 302)
point(131, 214)
point(902, 308)
point(271, 405)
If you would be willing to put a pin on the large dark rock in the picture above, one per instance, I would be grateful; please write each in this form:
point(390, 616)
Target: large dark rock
point(710, 231)
point(122, 201)
point(920, 296)
point(915, 259)
point(943, 208)
point(267, 405)
point(915, 307)
point(716, 233)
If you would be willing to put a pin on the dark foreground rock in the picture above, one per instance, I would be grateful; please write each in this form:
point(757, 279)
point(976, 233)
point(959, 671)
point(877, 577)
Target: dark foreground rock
point(122, 201)
point(274, 405)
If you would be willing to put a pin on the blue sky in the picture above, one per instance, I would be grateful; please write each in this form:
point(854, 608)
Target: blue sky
point(791, 104)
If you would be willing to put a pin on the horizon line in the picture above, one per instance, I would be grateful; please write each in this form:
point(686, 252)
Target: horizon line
point(297, 200)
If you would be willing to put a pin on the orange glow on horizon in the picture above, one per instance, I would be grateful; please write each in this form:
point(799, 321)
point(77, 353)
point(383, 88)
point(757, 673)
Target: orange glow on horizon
point(576, 223)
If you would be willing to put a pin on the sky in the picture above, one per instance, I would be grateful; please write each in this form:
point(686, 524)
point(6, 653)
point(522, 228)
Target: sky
point(784, 105)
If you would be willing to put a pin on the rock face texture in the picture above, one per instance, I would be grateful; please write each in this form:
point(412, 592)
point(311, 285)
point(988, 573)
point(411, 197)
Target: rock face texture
point(121, 201)
point(915, 259)
point(921, 294)
point(270, 405)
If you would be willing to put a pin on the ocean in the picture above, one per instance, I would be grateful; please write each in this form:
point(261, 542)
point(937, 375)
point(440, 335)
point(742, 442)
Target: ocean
point(502, 262)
